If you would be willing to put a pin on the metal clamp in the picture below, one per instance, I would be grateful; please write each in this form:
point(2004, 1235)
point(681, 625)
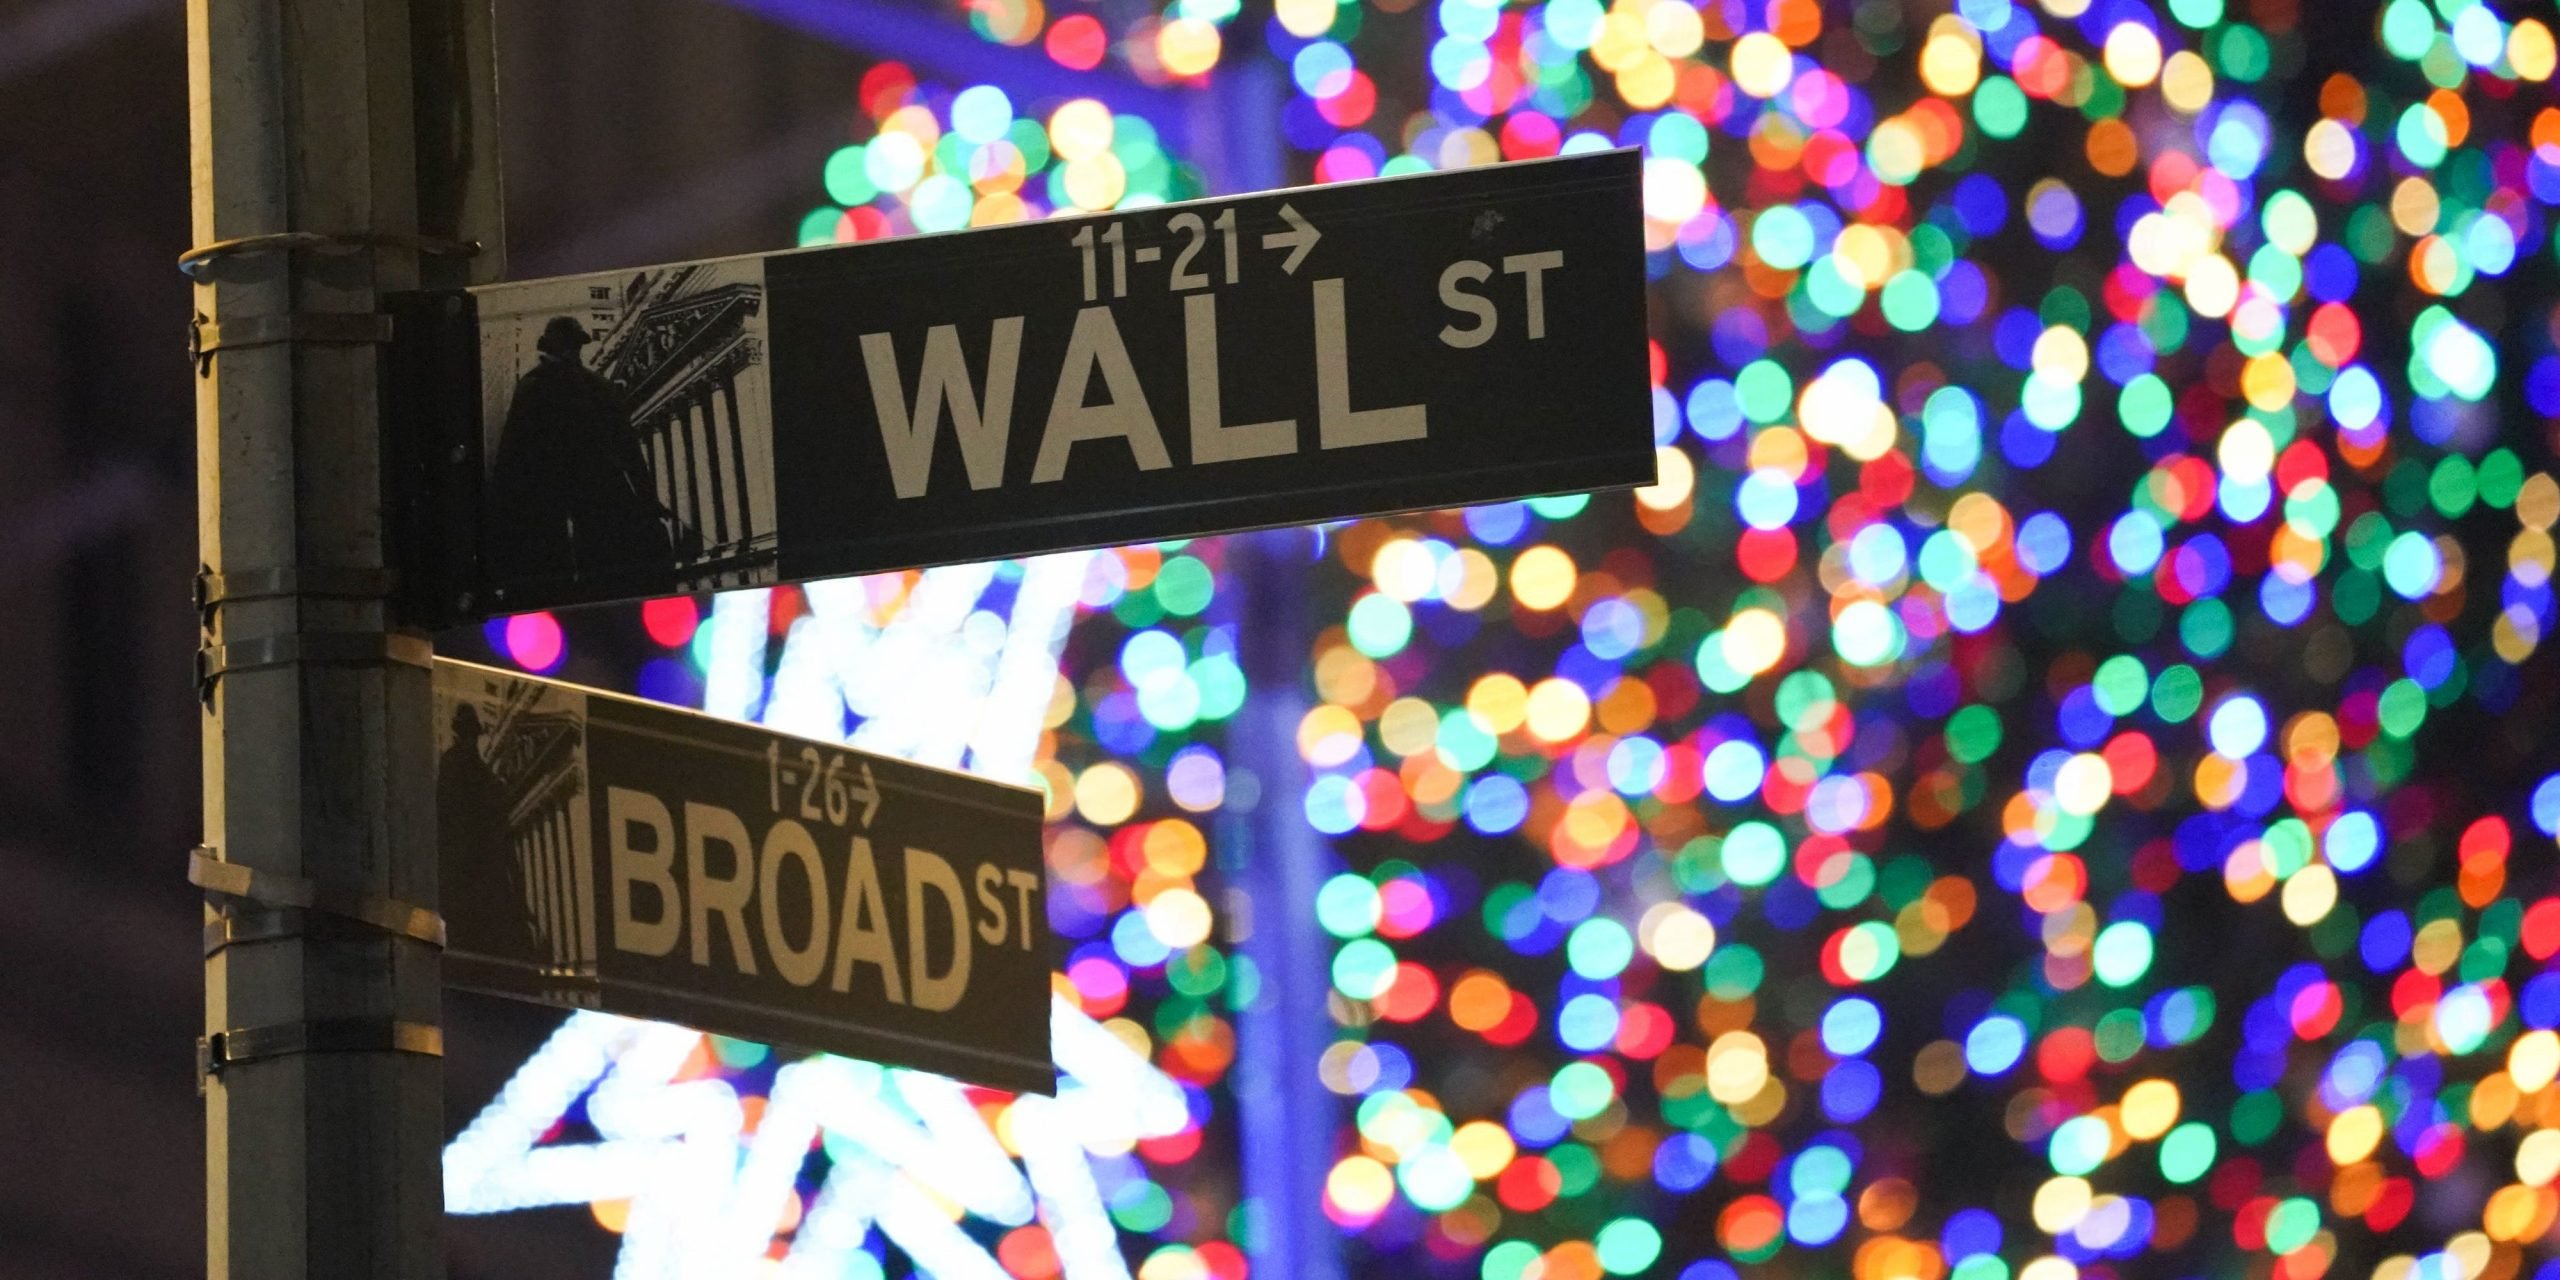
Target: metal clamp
point(194, 261)
point(225, 1049)
point(292, 895)
point(330, 582)
point(337, 648)
point(352, 328)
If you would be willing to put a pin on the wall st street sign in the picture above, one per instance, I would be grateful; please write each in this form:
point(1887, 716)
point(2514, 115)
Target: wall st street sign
point(1157, 373)
point(604, 852)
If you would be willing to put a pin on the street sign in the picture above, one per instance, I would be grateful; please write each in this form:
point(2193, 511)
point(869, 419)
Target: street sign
point(1168, 372)
point(604, 852)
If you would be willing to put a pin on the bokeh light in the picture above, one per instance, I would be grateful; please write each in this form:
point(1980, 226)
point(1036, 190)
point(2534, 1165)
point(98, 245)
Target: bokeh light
point(2053, 781)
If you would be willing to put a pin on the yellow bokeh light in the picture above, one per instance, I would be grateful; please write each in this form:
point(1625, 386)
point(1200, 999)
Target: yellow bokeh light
point(2213, 285)
point(2149, 1108)
point(2493, 1101)
point(1648, 82)
point(2512, 1212)
point(1306, 19)
point(1107, 794)
point(916, 122)
point(1498, 703)
point(1174, 847)
point(1187, 46)
point(999, 209)
point(1468, 580)
point(1558, 709)
point(2167, 243)
point(997, 166)
point(2437, 946)
point(1895, 152)
point(2133, 55)
point(1409, 726)
point(2083, 784)
point(2246, 450)
point(2538, 502)
point(1466, 148)
point(2330, 149)
point(1676, 935)
point(1762, 65)
point(2530, 49)
point(1674, 189)
point(1754, 641)
point(1360, 1186)
point(1484, 1147)
point(1673, 28)
point(2267, 381)
point(2415, 207)
point(1780, 449)
point(1403, 569)
point(2538, 1158)
point(1737, 1067)
point(1620, 43)
point(1951, 61)
point(2436, 265)
point(1676, 478)
point(1330, 735)
point(1863, 255)
point(2060, 1204)
point(1344, 676)
point(2534, 1060)
point(1179, 918)
point(2354, 1134)
point(2469, 1255)
point(2186, 82)
point(2061, 354)
point(1542, 578)
point(1096, 182)
point(2310, 894)
point(1080, 129)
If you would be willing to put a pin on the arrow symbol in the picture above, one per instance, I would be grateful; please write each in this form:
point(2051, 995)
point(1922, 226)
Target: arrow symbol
point(869, 794)
point(1298, 239)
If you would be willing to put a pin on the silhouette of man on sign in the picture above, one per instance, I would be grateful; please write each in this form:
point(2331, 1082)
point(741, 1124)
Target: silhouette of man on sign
point(571, 497)
point(471, 818)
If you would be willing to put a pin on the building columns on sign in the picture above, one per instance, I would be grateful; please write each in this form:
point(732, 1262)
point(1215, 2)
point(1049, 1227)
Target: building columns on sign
point(737, 450)
point(700, 407)
point(683, 341)
point(661, 464)
point(692, 466)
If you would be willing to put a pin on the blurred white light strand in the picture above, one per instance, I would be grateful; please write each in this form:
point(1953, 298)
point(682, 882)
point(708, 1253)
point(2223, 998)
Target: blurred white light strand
point(926, 679)
point(1005, 742)
point(733, 670)
point(705, 1199)
point(945, 680)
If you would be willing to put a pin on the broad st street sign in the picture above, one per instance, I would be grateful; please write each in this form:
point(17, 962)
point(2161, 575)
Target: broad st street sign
point(604, 852)
point(1157, 373)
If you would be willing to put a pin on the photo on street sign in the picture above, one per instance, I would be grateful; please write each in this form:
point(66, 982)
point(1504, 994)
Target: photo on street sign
point(627, 428)
point(604, 852)
point(1147, 374)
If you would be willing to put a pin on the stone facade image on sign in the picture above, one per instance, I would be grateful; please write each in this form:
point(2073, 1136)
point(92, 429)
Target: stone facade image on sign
point(512, 806)
point(627, 431)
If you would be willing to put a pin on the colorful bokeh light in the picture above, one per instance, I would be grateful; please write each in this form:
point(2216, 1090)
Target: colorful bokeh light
point(2053, 781)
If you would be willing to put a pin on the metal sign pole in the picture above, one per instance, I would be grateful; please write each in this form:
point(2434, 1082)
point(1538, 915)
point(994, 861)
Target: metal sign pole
point(321, 1074)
